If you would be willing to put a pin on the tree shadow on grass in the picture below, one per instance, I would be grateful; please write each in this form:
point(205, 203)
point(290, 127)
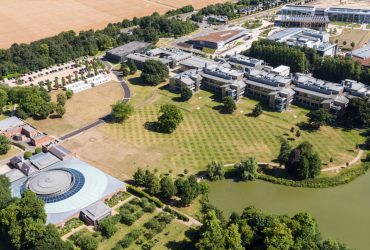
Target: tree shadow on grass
point(188, 243)
point(306, 127)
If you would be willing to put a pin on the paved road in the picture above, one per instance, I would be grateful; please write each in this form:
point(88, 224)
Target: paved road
point(126, 97)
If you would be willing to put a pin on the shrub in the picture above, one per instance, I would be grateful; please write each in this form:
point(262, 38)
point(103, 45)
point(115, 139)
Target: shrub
point(176, 214)
point(126, 241)
point(149, 207)
point(141, 193)
point(27, 154)
point(128, 219)
point(107, 228)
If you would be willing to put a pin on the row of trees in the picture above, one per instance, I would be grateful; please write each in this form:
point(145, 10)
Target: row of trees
point(22, 223)
point(303, 60)
point(254, 229)
point(66, 46)
point(187, 189)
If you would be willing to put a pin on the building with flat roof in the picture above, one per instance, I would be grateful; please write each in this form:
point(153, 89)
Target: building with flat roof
point(223, 81)
point(302, 37)
point(195, 62)
point(362, 55)
point(68, 187)
point(355, 88)
point(302, 21)
point(119, 54)
point(190, 79)
point(60, 152)
point(217, 40)
point(11, 126)
point(271, 86)
point(247, 63)
point(169, 57)
point(95, 212)
point(355, 15)
point(43, 160)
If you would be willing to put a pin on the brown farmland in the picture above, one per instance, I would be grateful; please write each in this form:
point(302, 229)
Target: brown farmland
point(23, 21)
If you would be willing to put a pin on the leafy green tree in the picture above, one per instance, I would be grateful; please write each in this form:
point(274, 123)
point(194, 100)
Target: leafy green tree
point(246, 233)
point(3, 99)
point(170, 117)
point(185, 191)
point(216, 171)
point(107, 228)
point(139, 176)
point(5, 194)
point(153, 183)
point(186, 94)
point(285, 150)
point(333, 245)
point(303, 162)
point(60, 110)
point(4, 145)
point(257, 111)
point(61, 99)
point(168, 188)
point(121, 111)
point(27, 154)
point(125, 71)
point(233, 238)
point(278, 236)
point(69, 94)
point(211, 236)
point(154, 72)
point(229, 105)
point(247, 169)
point(85, 241)
point(38, 150)
point(132, 66)
point(51, 240)
point(319, 117)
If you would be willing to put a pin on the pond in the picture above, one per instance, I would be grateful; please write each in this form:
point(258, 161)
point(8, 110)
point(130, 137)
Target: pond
point(342, 212)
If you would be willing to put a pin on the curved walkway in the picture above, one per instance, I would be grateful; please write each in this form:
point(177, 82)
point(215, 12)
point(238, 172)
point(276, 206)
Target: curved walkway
point(352, 162)
point(126, 97)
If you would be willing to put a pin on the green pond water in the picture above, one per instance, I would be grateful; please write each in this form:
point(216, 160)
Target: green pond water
point(342, 212)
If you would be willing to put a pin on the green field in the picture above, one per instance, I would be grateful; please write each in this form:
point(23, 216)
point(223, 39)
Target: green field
point(206, 134)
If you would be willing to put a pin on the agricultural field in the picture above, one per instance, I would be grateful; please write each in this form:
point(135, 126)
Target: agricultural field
point(83, 108)
point(204, 135)
point(359, 37)
point(38, 19)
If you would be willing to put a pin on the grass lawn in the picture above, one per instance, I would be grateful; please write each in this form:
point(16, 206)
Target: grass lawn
point(83, 108)
point(204, 135)
point(174, 236)
point(12, 152)
point(359, 37)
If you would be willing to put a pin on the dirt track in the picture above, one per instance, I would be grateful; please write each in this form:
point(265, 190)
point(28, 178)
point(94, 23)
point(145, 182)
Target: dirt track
point(29, 20)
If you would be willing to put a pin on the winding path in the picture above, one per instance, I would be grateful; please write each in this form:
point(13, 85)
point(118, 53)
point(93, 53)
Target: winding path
point(126, 97)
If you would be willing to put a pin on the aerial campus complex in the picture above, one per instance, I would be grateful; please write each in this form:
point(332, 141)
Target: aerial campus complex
point(213, 65)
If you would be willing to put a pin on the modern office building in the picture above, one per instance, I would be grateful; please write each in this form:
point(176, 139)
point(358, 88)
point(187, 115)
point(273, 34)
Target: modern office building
point(354, 88)
point(67, 187)
point(362, 55)
point(119, 54)
point(302, 21)
point(217, 40)
point(356, 15)
point(190, 79)
point(271, 86)
point(302, 37)
point(246, 63)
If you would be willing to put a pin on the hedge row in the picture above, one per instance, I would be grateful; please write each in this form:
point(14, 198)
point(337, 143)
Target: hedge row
point(137, 191)
point(176, 214)
point(344, 177)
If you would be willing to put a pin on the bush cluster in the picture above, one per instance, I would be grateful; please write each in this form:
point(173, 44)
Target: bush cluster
point(137, 191)
point(176, 214)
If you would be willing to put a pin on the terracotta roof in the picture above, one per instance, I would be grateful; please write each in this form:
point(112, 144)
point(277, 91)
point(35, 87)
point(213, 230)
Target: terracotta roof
point(220, 36)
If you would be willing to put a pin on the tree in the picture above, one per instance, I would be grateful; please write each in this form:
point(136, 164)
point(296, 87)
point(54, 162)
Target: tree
point(107, 228)
point(61, 99)
point(69, 94)
point(139, 176)
point(27, 154)
point(170, 117)
point(124, 69)
point(333, 245)
point(257, 111)
point(344, 43)
point(319, 117)
point(186, 190)
point(121, 111)
point(60, 110)
point(229, 105)
point(38, 150)
point(353, 44)
point(153, 183)
point(56, 82)
point(247, 169)
point(233, 238)
point(5, 194)
point(211, 234)
point(303, 162)
point(168, 188)
point(278, 236)
point(132, 66)
point(186, 94)
point(285, 150)
point(154, 72)
point(3, 99)
point(85, 241)
point(216, 171)
point(4, 145)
